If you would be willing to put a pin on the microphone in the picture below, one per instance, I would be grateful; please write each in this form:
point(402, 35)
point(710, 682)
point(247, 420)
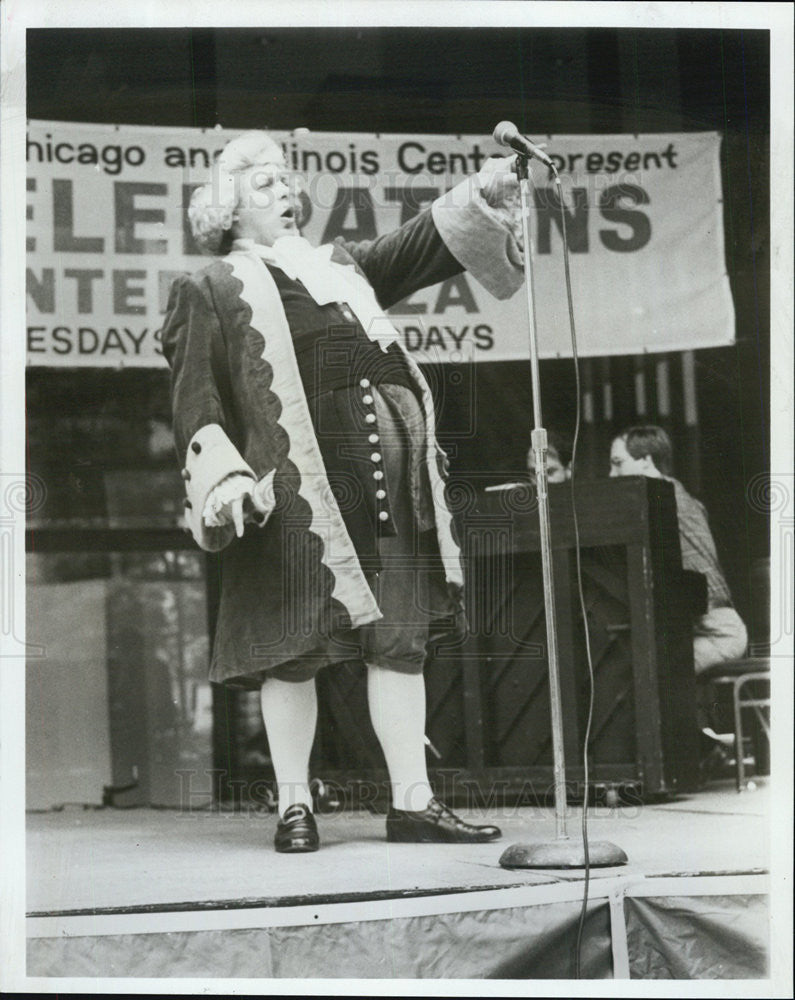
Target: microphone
point(507, 134)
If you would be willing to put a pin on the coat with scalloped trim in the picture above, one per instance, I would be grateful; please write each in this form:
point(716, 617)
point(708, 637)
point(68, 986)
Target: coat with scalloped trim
point(239, 405)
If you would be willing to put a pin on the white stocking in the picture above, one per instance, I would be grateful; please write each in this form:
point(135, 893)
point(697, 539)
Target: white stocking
point(397, 711)
point(289, 712)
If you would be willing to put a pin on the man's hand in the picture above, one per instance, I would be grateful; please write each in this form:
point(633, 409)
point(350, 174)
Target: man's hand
point(499, 184)
point(229, 503)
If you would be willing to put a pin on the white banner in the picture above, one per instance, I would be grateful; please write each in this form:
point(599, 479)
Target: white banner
point(107, 234)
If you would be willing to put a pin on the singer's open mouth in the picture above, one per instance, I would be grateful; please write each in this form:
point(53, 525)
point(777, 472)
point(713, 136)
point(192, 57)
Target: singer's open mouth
point(288, 213)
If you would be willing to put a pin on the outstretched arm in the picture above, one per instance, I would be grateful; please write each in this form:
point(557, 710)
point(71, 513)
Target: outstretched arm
point(405, 260)
point(472, 227)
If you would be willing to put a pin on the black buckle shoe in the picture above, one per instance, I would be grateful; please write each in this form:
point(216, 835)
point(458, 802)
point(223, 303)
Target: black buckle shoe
point(435, 824)
point(296, 831)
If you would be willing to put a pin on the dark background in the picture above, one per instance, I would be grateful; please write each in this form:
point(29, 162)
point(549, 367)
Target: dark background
point(447, 81)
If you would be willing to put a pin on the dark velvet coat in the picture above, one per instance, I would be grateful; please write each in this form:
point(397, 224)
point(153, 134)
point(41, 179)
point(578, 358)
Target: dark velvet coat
point(239, 405)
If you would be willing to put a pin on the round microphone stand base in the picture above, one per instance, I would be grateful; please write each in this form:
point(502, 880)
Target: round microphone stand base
point(563, 853)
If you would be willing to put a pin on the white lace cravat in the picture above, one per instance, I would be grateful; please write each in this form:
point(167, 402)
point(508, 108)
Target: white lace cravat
point(326, 281)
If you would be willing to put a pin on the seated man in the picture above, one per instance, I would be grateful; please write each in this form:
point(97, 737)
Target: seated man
point(559, 450)
point(719, 634)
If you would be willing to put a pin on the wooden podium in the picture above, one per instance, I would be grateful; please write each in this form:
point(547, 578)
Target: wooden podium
point(639, 608)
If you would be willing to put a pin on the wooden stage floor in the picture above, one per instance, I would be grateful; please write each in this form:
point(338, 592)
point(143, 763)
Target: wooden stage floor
point(111, 860)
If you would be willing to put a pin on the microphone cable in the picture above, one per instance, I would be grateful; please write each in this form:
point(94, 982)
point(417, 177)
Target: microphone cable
point(581, 596)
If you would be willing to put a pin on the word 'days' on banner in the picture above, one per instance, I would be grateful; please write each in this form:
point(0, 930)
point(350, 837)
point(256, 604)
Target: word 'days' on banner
point(107, 234)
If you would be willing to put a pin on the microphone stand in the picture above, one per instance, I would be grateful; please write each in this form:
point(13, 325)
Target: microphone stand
point(562, 852)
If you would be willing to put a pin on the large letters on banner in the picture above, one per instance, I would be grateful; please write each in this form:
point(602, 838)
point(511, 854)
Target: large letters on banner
point(107, 234)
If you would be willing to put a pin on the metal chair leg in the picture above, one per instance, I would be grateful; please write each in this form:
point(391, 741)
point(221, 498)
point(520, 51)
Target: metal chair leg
point(739, 743)
point(757, 704)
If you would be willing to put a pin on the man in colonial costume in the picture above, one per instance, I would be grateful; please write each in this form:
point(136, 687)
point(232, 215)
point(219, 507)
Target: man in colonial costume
point(306, 436)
